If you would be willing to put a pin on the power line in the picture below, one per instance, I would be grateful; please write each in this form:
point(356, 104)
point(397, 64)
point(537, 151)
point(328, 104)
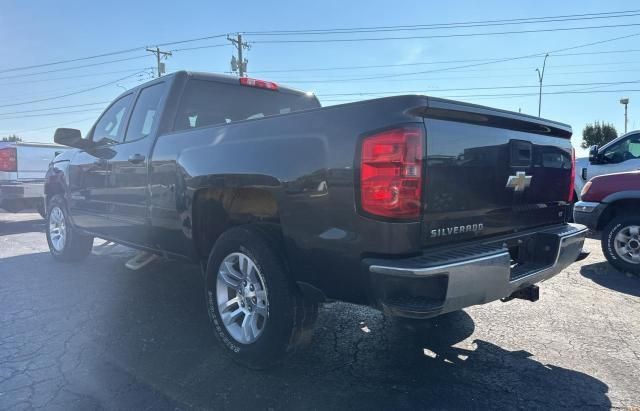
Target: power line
point(54, 126)
point(479, 23)
point(102, 63)
point(436, 36)
point(52, 114)
point(77, 76)
point(503, 69)
point(171, 43)
point(502, 75)
point(55, 108)
point(112, 53)
point(38, 93)
point(69, 94)
point(73, 68)
point(479, 64)
point(201, 47)
point(434, 62)
point(554, 93)
point(479, 88)
point(70, 60)
point(529, 20)
point(523, 94)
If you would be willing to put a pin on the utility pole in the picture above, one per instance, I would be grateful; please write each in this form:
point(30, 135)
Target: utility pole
point(159, 53)
point(540, 78)
point(239, 64)
point(625, 102)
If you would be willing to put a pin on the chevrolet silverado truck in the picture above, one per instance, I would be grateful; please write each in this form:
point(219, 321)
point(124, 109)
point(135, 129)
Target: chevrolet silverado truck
point(417, 206)
point(22, 170)
point(611, 204)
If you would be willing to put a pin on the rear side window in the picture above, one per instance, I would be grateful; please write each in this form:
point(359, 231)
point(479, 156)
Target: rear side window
point(206, 103)
point(110, 128)
point(145, 112)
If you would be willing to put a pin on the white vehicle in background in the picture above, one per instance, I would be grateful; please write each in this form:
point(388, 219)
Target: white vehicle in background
point(617, 156)
point(22, 170)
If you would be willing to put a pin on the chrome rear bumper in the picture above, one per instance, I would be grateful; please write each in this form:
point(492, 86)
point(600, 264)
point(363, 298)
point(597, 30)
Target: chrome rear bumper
point(428, 285)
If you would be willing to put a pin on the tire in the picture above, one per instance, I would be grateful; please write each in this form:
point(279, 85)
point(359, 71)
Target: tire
point(74, 245)
point(614, 249)
point(274, 318)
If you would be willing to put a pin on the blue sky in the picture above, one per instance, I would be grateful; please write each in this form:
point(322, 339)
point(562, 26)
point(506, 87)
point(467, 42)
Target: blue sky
point(35, 32)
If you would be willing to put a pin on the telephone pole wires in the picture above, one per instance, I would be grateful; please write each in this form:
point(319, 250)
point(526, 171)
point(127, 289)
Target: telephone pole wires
point(159, 54)
point(239, 64)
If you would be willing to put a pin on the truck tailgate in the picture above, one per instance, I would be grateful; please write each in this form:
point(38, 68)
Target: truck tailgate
point(491, 172)
point(33, 160)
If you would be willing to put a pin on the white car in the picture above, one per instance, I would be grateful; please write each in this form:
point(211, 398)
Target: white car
point(617, 156)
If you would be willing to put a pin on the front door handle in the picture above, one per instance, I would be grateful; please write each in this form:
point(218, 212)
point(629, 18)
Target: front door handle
point(136, 158)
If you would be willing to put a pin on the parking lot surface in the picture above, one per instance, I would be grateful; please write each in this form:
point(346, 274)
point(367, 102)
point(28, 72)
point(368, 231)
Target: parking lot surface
point(96, 335)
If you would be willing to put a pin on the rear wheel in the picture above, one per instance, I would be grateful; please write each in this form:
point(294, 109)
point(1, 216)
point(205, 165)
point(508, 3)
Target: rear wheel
point(65, 242)
point(257, 313)
point(621, 243)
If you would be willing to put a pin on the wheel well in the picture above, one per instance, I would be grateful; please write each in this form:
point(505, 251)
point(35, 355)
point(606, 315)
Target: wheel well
point(616, 209)
point(216, 210)
point(51, 189)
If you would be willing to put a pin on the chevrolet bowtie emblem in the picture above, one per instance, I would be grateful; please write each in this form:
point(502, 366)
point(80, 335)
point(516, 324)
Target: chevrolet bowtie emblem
point(519, 182)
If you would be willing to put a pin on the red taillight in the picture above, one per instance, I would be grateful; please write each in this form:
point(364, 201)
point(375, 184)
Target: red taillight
point(391, 173)
point(573, 175)
point(8, 159)
point(246, 81)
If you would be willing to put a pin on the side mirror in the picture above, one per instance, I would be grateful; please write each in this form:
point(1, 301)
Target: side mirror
point(71, 137)
point(593, 155)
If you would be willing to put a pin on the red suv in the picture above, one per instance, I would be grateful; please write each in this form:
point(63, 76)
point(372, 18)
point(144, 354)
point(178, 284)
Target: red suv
point(611, 203)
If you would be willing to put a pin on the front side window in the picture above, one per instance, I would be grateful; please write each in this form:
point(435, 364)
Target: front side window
point(623, 150)
point(110, 128)
point(207, 103)
point(145, 112)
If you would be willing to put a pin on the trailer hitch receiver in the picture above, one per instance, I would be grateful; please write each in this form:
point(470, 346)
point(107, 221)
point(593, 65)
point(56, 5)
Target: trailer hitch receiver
point(530, 293)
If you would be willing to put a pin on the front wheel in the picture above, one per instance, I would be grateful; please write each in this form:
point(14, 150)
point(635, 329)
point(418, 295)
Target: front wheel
point(255, 310)
point(621, 243)
point(65, 242)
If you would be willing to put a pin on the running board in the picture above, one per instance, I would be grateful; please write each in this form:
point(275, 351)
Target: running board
point(140, 260)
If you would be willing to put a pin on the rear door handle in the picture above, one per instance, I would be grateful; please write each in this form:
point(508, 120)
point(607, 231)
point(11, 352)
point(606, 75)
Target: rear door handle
point(136, 158)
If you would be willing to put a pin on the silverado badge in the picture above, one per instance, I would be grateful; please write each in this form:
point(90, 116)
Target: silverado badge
point(519, 182)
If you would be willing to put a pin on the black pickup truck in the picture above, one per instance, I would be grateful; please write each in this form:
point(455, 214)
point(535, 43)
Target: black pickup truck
point(415, 205)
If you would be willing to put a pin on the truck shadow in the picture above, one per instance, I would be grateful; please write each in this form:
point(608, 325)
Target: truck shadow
point(606, 275)
point(125, 339)
point(20, 227)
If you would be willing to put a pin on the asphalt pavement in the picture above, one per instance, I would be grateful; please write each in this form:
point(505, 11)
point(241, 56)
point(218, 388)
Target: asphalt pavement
point(95, 335)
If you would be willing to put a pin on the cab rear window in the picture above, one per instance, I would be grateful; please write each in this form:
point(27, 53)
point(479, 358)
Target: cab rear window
point(206, 103)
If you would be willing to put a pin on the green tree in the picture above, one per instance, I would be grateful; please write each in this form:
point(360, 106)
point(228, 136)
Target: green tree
point(12, 138)
point(598, 134)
